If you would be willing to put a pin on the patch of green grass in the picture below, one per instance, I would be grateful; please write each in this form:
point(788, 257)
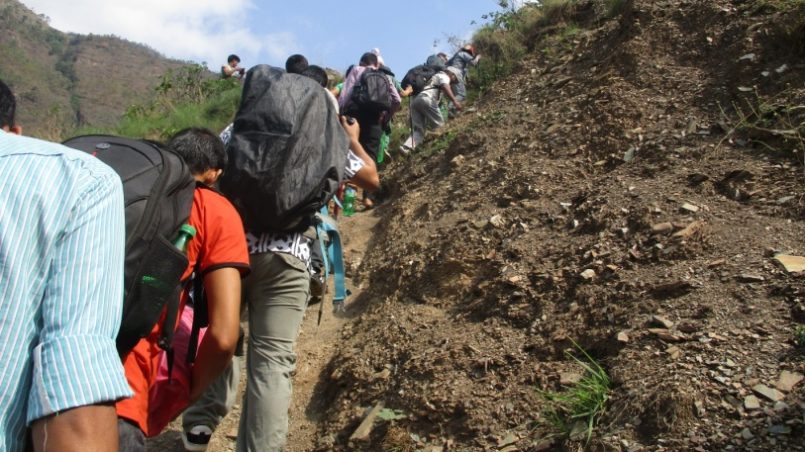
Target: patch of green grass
point(799, 336)
point(577, 409)
point(436, 144)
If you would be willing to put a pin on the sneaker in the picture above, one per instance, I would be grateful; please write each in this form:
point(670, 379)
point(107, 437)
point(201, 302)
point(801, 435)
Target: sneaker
point(197, 438)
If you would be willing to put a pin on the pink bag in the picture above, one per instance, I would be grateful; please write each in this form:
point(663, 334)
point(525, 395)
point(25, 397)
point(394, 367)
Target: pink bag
point(170, 393)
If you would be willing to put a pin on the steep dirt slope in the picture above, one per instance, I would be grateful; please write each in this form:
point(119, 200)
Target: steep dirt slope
point(596, 197)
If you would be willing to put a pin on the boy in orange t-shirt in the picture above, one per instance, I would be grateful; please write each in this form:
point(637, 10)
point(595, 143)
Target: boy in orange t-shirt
point(219, 250)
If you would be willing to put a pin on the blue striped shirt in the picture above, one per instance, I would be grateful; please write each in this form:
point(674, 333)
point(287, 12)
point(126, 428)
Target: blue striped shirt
point(61, 283)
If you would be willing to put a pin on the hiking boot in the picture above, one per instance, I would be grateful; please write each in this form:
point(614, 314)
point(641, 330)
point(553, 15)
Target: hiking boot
point(197, 438)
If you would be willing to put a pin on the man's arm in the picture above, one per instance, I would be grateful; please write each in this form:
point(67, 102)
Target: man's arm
point(77, 371)
point(222, 287)
point(91, 428)
point(367, 177)
point(449, 92)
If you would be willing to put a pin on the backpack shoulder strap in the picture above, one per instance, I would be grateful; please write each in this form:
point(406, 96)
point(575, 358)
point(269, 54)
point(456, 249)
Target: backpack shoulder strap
point(334, 256)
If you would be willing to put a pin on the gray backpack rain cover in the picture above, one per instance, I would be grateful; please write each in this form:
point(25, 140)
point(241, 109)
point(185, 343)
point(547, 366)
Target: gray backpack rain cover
point(287, 153)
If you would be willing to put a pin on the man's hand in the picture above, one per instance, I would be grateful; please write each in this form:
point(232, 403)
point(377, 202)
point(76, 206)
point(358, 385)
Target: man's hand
point(89, 428)
point(458, 105)
point(352, 129)
point(407, 91)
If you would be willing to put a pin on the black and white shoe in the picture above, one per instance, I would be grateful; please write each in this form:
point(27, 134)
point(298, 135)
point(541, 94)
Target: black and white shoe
point(197, 439)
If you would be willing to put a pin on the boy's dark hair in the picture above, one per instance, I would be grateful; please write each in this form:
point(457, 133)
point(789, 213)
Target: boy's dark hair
point(200, 148)
point(368, 59)
point(317, 73)
point(232, 57)
point(8, 106)
point(296, 64)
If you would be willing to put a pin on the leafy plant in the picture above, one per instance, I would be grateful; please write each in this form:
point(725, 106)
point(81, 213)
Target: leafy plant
point(776, 123)
point(799, 336)
point(582, 403)
point(388, 414)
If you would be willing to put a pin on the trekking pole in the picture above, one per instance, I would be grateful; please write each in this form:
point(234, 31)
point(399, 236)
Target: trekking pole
point(411, 123)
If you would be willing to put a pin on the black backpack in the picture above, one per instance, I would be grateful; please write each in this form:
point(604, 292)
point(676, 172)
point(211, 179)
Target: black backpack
point(371, 93)
point(418, 77)
point(158, 194)
point(287, 154)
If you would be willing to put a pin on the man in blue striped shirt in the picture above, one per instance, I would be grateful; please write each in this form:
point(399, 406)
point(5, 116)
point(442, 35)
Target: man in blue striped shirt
point(61, 285)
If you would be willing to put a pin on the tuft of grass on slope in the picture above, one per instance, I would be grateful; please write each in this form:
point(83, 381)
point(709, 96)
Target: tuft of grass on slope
point(576, 410)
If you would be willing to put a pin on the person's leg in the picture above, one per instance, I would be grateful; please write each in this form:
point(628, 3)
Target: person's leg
point(460, 93)
point(216, 401)
point(432, 115)
point(417, 124)
point(371, 130)
point(132, 439)
point(277, 291)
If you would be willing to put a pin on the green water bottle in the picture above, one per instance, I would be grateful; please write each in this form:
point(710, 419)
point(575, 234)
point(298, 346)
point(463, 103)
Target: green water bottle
point(349, 202)
point(186, 233)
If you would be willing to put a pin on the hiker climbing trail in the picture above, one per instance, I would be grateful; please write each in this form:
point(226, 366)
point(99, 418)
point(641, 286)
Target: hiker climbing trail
point(317, 345)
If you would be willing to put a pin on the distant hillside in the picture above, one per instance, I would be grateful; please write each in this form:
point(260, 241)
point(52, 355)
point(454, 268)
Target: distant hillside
point(65, 80)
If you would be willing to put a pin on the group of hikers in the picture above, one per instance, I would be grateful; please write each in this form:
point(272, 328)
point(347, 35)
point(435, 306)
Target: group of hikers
point(127, 266)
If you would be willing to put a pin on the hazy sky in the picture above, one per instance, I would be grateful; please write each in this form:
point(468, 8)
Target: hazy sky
point(330, 34)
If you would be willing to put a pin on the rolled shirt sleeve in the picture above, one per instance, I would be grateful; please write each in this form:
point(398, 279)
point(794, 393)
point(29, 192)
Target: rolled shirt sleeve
point(75, 362)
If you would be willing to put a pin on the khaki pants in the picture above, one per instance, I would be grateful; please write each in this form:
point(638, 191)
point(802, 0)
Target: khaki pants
point(277, 291)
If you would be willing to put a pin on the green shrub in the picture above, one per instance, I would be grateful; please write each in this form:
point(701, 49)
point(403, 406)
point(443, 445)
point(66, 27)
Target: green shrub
point(576, 410)
point(799, 336)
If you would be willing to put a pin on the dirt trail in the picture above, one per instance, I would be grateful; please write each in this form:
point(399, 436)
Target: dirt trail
point(316, 346)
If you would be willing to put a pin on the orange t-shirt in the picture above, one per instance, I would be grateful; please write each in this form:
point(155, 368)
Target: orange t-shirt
point(219, 243)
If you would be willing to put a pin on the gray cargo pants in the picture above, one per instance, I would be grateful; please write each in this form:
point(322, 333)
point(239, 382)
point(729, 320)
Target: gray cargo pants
point(277, 291)
point(425, 115)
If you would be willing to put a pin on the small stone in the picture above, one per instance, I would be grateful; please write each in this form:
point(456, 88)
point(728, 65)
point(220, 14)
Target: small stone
point(769, 393)
point(588, 274)
point(662, 228)
point(690, 207)
point(569, 378)
point(623, 337)
point(747, 434)
point(688, 327)
point(694, 229)
point(749, 278)
point(792, 264)
point(508, 440)
point(662, 321)
point(497, 221)
point(751, 403)
point(674, 351)
point(788, 380)
point(780, 406)
point(780, 430)
point(699, 405)
point(457, 161)
point(747, 57)
point(781, 69)
point(665, 335)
